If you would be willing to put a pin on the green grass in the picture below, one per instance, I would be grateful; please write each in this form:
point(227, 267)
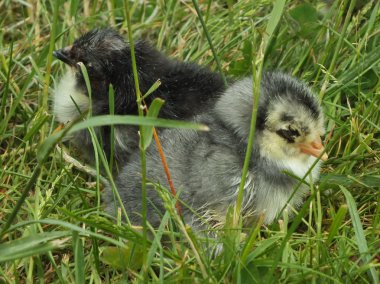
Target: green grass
point(59, 233)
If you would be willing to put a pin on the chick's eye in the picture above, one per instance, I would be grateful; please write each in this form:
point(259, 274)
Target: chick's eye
point(288, 134)
point(293, 132)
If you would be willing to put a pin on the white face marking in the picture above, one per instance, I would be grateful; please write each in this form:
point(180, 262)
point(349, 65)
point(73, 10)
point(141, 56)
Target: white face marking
point(66, 92)
point(300, 167)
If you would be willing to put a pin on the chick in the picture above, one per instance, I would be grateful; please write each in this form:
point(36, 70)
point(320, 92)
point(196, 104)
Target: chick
point(187, 88)
point(206, 167)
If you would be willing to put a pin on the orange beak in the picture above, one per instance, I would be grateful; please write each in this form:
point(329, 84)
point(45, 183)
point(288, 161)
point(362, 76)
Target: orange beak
point(314, 148)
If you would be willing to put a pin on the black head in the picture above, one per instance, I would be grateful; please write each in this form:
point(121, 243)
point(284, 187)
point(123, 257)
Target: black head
point(101, 51)
point(96, 49)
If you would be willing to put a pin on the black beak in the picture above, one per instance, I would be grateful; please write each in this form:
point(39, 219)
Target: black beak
point(63, 55)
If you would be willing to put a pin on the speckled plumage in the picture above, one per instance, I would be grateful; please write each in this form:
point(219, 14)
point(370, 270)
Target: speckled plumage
point(187, 88)
point(206, 167)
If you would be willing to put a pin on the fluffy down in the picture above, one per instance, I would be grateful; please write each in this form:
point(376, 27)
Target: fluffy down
point(206, 167)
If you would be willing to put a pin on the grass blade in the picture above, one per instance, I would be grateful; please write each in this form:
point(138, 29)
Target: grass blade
point(32, 245)
point(359, 233)
point(200, 17)
point(337, 222)
point(153, 111)
point(79, 258)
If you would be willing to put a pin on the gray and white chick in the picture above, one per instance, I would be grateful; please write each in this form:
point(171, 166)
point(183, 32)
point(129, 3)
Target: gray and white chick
point(206, 167)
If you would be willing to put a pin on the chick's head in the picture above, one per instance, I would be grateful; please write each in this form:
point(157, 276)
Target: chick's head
point(289, 120)
point(292, 130)
point(101, 51)
point(294, 121)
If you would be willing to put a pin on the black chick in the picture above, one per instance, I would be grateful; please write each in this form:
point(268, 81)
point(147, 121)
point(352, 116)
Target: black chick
point(187, 88)
point(206, 167)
